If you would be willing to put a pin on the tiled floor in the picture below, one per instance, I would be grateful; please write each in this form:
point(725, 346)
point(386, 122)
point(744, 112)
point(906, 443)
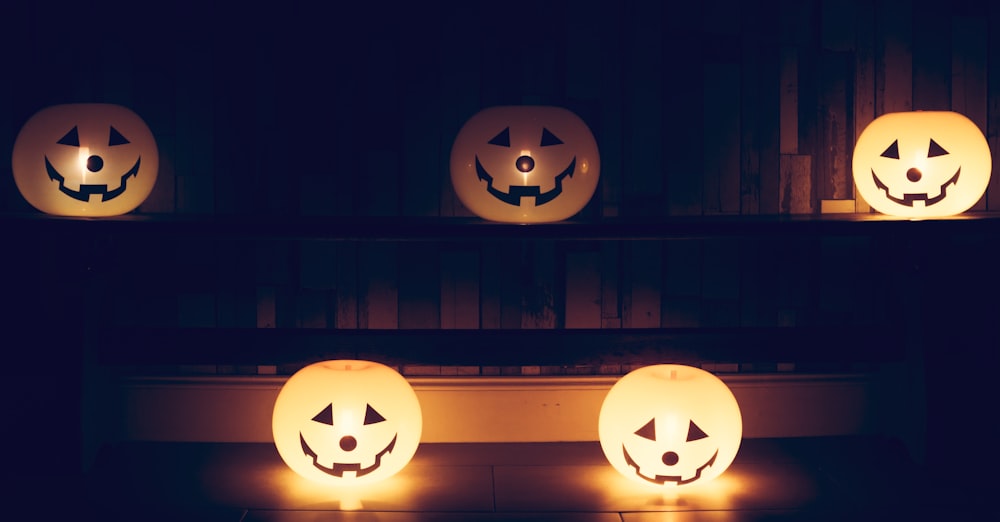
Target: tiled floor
point(770, 480)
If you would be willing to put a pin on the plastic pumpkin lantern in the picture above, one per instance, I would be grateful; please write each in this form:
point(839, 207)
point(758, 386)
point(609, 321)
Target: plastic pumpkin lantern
point(922, 164)
point(346, 422)
point(525, 164)
point(85, 159)
point(670, 425)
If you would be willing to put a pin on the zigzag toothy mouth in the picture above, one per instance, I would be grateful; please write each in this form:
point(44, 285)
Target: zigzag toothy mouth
point(516, 192)
point(908, 199)
point(339, 468)
point(663, 479)
point(85, 191)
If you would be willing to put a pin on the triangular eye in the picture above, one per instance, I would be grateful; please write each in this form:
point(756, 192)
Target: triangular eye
point(648, 431)
point(71, 138)
point(694, 432)
point(116, 138)
point(892, 151)
point(935, 150)
point(549, 139)
point(325, 416)
point(372, 416)
point(502, 139)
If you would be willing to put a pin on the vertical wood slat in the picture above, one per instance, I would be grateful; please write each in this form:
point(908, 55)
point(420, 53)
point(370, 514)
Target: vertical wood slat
point(537, 63)
point(798, 104)
point(422, 166)
point(196, 310)
point(237, 307)
point(833, 173)
point(460, 289)
point(538, 267)
point(792, 285)
point(236, 284)
point(419, 287)
point(754, 95)
point(378, 302)
point(122, 78)
point(993, 104)
point(317, 284)
point(641, 306)
point(760, 106)
point(757, 283)
point(789, 104)
point(611, 316)
point(610, 130)
point(378, 190)
point(312, 308)
point(931, 58)
point(267, 314)
point(194, 267)
point(348, 285)
point(864, 84)
point(642, 165)
point(969, 52)
point(894, 65)
point(459, 56)
point(796, 184)
point(684, 46)
point(720, 286)
point(500, 281)
point(490, 284)
point(274, 281)
point(509, 274)
point(583, 71)
point(194, 121)
point(583, 308)
point(969, 91)
point(681, 305)
point(722, 124)
point(837, 24)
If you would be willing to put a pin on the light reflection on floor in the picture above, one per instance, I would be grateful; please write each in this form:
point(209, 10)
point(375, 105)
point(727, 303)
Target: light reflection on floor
point(769, 480)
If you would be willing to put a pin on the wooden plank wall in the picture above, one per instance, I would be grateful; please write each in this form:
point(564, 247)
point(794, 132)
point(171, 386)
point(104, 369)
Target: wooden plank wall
point(702, 108)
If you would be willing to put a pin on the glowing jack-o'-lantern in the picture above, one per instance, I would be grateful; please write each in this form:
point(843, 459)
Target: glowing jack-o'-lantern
point(670, 425)
point(525, 164)
point(85, 159)
point(922, 164)
point(346, 422)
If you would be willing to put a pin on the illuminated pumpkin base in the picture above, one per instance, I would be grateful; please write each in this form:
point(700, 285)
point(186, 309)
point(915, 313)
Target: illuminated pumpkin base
point(346, 422)
point(670, 425)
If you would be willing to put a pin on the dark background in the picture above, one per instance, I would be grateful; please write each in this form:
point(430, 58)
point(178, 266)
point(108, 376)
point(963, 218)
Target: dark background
point(305, 115)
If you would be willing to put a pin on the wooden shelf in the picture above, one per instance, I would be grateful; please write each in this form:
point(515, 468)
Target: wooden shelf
point(585, 349)
point(406, 228)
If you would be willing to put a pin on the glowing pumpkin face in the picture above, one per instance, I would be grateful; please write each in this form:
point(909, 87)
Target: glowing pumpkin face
point(525, 164)
point(88, 159)
point(922, 164)
point(670, 425)
point(346, 422)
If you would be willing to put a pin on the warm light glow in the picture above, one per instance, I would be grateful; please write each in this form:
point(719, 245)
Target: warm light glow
point(346, 422)
point(670, 425)
point(85, 159)
point(81, 163)
point(525, 164)
point(922, 164)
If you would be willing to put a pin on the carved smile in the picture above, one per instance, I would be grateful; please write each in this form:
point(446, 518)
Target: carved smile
point(516, 192)
point(662, 479)
point(88, 190)
point(339, 468)
point(908, 199)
